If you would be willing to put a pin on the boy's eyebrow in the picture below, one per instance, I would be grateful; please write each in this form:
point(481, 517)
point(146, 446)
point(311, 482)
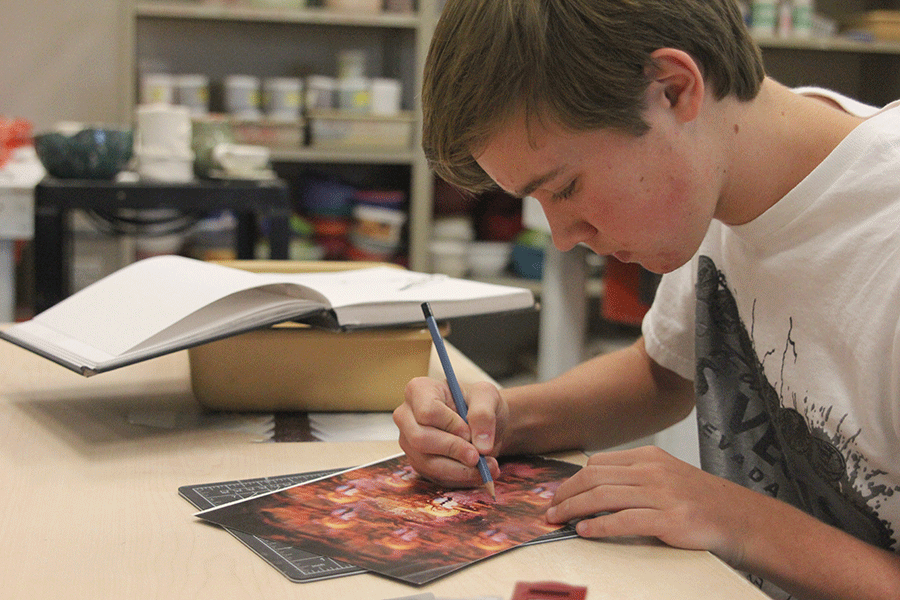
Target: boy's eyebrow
point(537, 182)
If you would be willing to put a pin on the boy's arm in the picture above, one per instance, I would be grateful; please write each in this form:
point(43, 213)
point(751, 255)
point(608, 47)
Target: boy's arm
point(812, 560)
point(606, 401)
point(646, 492)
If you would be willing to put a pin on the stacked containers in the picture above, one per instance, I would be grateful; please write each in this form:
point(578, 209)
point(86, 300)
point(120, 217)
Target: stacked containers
point(378, 222)
point(329, 205)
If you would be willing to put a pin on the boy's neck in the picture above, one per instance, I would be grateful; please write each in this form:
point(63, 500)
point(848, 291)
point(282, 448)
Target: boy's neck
point(773, 143)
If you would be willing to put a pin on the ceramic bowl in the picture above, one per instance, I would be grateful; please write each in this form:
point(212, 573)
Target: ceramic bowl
point(489, 259)
point(91, 153)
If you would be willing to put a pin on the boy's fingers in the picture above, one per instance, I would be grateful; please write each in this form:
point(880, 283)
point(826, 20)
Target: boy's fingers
point(483, 402)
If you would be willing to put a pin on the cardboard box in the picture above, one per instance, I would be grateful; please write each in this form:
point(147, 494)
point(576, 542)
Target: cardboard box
point(294, 367)
point(335, 129)
point(291, 367)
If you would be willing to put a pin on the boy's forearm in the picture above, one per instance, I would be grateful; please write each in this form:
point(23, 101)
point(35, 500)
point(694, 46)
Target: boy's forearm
point(812, 560)
point(606, 401)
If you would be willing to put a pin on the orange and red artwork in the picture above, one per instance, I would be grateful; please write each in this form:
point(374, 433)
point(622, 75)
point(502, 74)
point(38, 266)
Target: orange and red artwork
point(386, 518)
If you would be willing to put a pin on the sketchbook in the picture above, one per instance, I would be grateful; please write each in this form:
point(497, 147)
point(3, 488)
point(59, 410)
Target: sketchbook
point(166, 303)
point(385, 518)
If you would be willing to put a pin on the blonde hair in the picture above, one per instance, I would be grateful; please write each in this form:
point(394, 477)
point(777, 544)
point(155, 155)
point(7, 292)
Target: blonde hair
point(581, 63)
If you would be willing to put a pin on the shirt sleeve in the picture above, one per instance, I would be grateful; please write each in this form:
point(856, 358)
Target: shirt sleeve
point(668, 327)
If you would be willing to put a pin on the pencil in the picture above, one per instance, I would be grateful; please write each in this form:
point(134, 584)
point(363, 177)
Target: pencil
point(455, 390)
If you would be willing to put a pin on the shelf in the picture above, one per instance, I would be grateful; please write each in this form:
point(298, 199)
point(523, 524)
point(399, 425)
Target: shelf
point(206, 37)
point(309, 16)
point(353, 157)
point(832, 44)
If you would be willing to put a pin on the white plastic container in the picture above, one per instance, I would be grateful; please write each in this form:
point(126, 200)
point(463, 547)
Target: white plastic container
point(449, 257)
point(242, 96)
point(163, 143)
point(382, 226)
point(385, 96)
point(453, 228)
point(158, 165)
point(489, 259)
point(282, 98)
point(163, 129)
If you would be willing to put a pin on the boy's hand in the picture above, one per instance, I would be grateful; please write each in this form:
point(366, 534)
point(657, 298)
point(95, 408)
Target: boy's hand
point(648, 492)
point(439, 443)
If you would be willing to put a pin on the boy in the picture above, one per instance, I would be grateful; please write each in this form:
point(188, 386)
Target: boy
point(648, 131)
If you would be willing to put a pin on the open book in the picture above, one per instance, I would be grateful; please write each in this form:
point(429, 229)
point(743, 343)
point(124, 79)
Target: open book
point(168, 303)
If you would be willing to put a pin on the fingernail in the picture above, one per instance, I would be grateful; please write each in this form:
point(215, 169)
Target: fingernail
point(551, 514)
point(483, 442)
point(581, 528)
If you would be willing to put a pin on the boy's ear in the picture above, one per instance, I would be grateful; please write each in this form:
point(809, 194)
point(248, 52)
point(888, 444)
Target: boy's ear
point(676, 78)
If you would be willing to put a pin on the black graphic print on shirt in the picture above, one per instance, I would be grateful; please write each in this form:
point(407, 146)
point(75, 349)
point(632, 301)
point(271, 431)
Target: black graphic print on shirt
point(750, 436)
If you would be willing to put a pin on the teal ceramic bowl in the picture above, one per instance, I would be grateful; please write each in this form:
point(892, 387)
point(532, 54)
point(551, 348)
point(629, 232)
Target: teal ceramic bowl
point(92, 153)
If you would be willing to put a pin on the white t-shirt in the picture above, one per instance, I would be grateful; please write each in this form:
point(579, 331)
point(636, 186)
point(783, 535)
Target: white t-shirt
point(790, 328)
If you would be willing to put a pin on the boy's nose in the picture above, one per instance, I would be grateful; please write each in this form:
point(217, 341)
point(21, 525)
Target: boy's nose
point(567, 235)
point(566, 229)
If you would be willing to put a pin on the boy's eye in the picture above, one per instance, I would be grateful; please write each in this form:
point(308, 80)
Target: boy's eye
point(566, 192)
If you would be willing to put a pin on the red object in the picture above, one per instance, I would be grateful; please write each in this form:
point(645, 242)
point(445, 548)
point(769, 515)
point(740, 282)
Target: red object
point(14, 133)
point(622, 293)
point(548, 590)
point(359, 254)
point(497, 216)
point(501, 228)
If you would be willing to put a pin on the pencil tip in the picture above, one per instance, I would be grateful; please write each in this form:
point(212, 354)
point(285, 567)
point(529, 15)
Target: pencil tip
point(489, 485)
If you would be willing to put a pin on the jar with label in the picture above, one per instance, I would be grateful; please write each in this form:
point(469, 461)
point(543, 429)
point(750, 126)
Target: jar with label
point(242, 96)
point(157, 88)
point(193, 92)
point(354, 94)
point(282, 97)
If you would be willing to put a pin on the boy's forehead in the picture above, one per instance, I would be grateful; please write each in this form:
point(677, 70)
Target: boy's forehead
point(520, 155)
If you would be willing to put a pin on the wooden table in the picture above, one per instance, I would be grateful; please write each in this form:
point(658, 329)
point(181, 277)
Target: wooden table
point(90, 507)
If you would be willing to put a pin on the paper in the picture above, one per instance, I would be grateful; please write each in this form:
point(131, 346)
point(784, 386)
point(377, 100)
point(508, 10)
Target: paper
point(352, 427)
point(386, 518)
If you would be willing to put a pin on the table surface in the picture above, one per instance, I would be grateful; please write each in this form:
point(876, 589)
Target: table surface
point(90, 507)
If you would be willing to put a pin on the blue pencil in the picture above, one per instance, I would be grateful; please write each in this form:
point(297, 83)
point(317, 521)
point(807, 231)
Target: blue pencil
point(455, 390)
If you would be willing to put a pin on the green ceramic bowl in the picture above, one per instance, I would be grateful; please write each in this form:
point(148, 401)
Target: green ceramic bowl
point(92, 153)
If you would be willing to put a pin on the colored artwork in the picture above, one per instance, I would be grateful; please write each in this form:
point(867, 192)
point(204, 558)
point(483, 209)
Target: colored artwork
point(385, 518)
